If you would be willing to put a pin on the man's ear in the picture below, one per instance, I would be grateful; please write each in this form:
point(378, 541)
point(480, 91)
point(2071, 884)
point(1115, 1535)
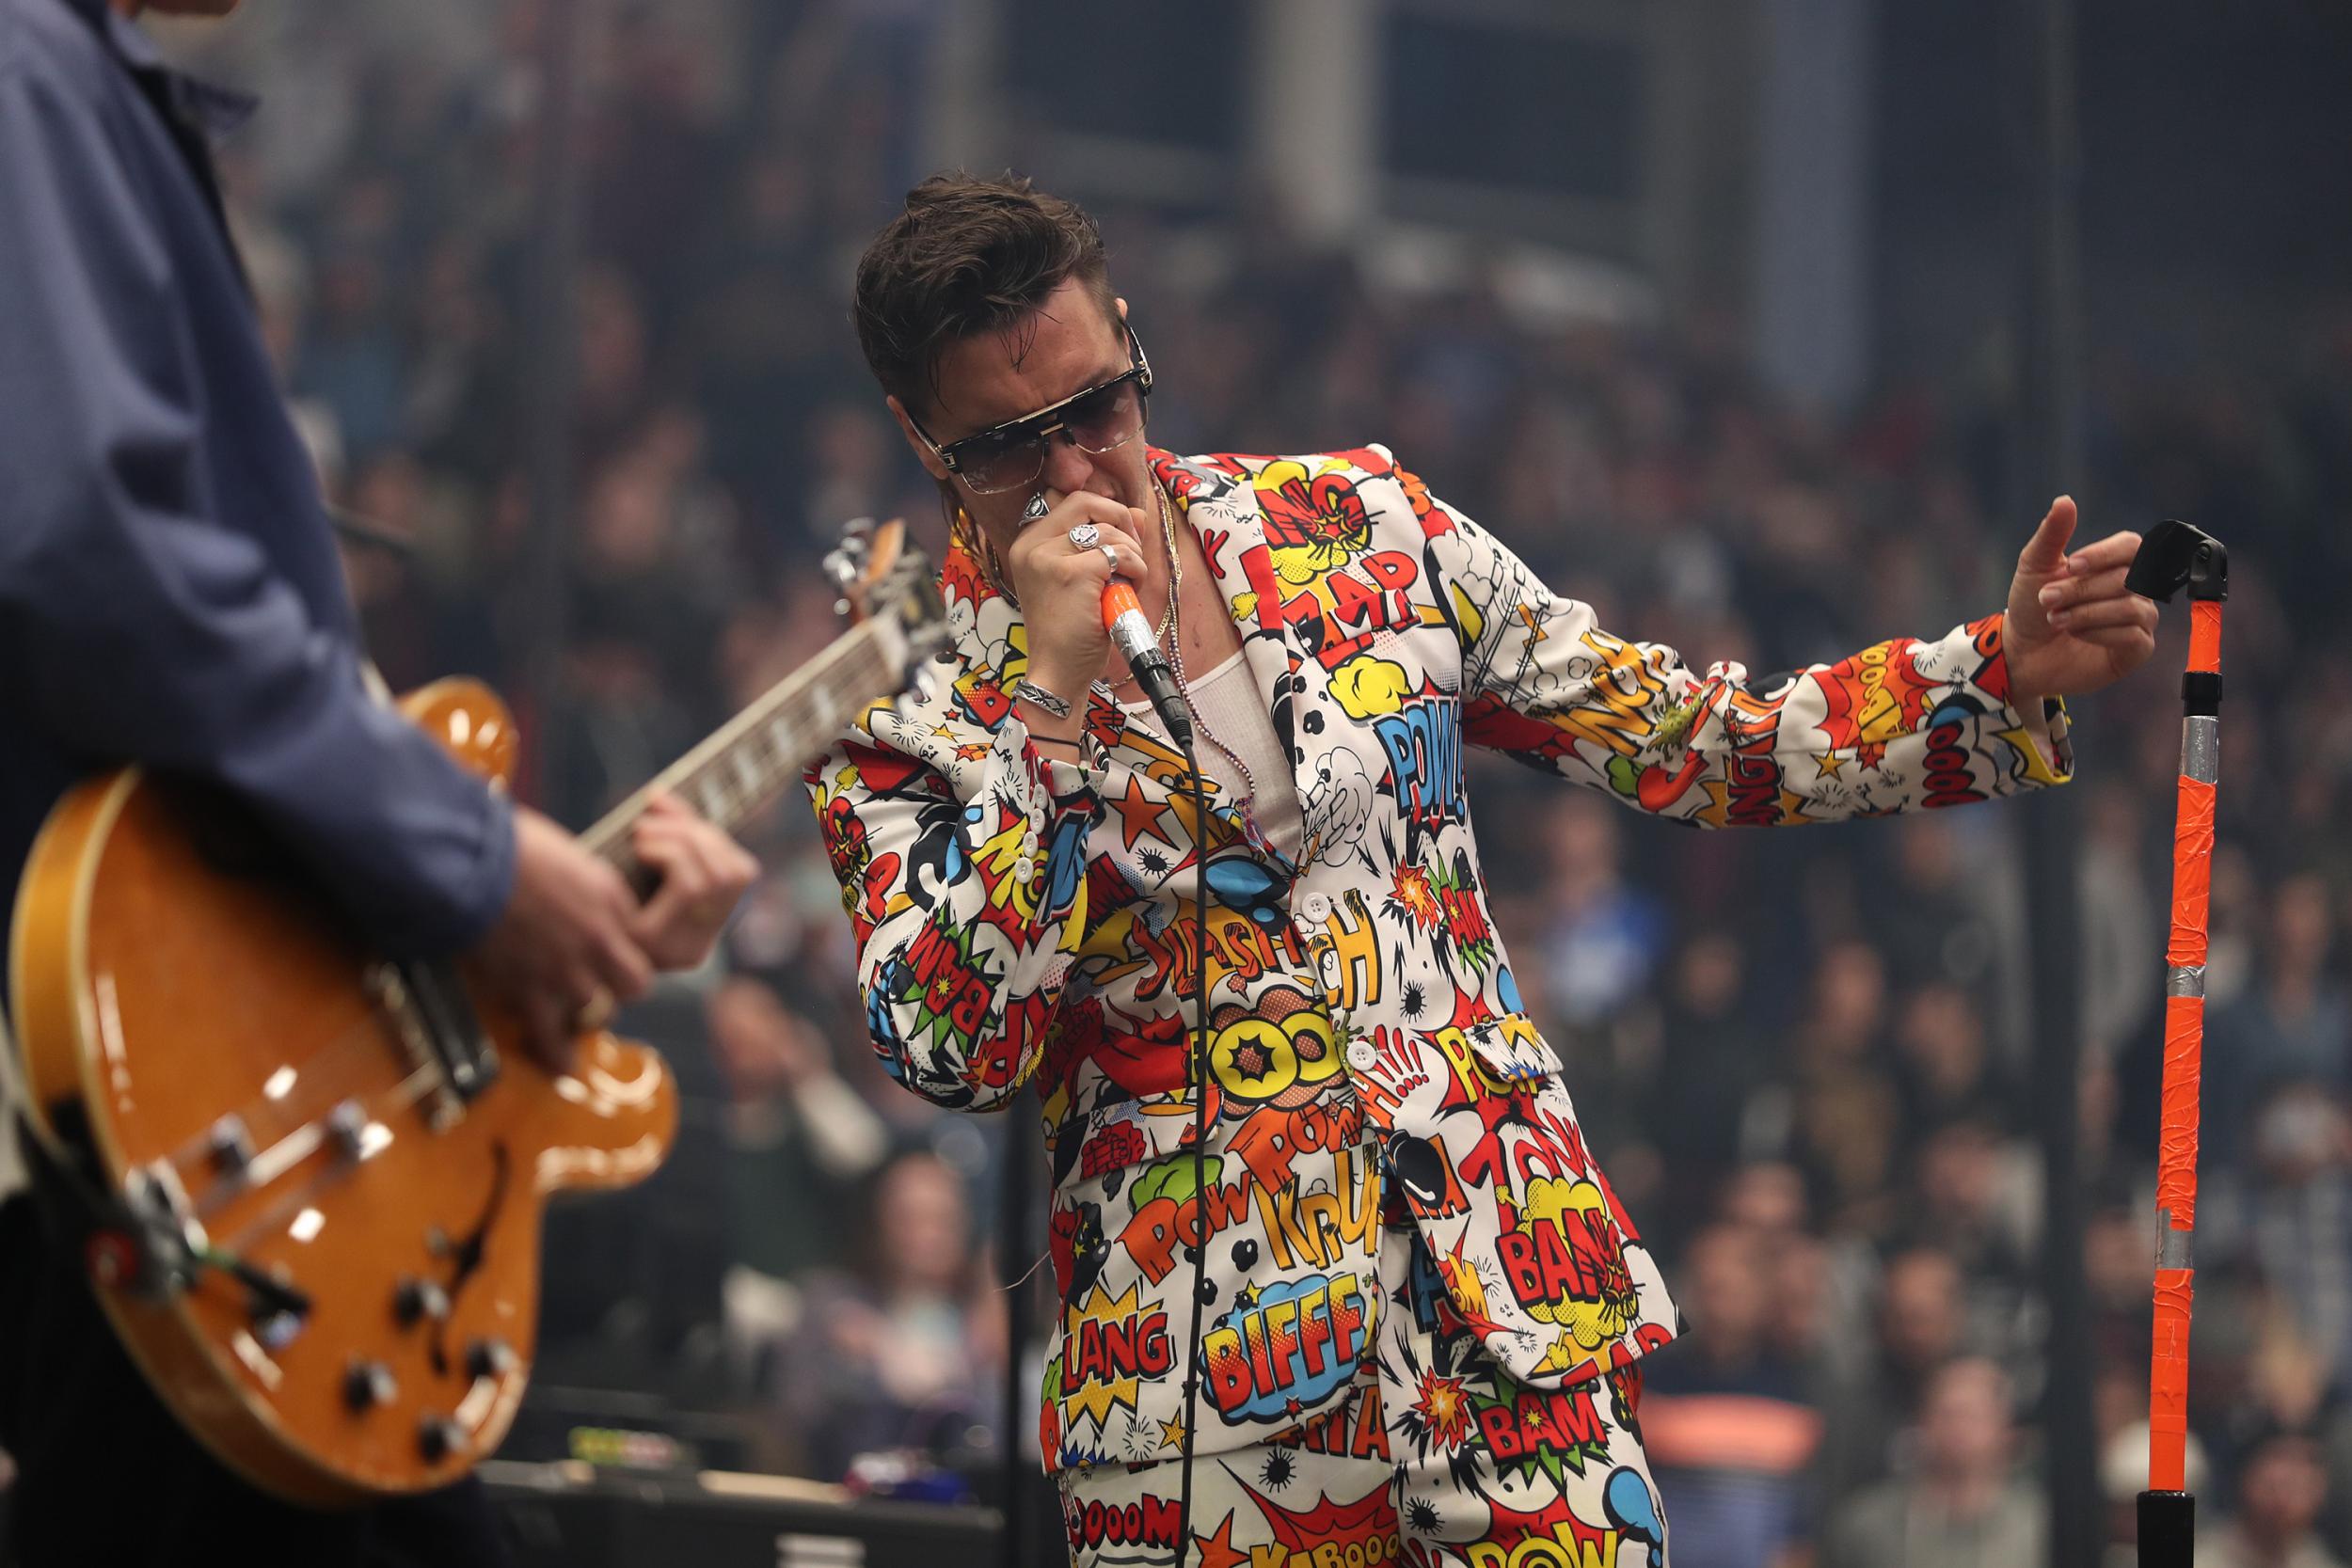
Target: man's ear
point(1123, 308)
point(915, 444)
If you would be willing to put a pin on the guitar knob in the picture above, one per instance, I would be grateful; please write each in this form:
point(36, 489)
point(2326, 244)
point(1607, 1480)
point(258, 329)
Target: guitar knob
point(347, 1128)
point(278, 1330)
point(438, 1437)
point(491, 1358)
point(231, 1145)
point(417, 1299)
point(368, 1384)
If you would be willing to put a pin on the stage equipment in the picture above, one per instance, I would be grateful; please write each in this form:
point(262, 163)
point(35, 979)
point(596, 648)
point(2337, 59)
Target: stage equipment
point(568, 1514)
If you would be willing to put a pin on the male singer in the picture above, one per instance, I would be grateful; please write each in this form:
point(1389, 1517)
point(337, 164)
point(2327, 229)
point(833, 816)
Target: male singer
point(1423, 1309)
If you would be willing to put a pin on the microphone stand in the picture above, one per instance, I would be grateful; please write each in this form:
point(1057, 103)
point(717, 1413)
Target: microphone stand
point(2176, 555)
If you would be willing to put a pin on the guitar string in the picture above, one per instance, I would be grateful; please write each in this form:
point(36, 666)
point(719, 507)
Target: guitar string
point(727, 804)
point(781, 761)
point(793, 701)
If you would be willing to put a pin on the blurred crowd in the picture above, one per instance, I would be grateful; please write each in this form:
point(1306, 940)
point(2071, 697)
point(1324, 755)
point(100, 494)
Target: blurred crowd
point(1808, 1054)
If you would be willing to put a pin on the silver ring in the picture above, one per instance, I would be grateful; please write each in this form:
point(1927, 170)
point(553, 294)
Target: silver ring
point(1110, 553)
point(1086, 536)
point(1036, 508)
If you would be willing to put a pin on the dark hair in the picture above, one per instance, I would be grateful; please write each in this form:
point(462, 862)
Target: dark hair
point(968, 256)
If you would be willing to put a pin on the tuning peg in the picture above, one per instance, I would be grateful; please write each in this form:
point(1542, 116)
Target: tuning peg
point(845, 565)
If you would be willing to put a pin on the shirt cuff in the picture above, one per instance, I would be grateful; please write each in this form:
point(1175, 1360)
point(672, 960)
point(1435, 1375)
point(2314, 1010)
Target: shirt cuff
point(2049, 748)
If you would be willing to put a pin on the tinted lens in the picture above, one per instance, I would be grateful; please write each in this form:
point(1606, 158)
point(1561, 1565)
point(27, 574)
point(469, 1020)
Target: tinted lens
point(1002, 462)
point(1107, 419)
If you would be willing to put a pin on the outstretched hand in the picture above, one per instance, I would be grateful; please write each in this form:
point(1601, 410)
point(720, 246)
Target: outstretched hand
point(2072, 625)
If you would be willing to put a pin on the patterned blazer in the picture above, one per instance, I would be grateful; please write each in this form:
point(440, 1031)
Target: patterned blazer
point(1026, 919)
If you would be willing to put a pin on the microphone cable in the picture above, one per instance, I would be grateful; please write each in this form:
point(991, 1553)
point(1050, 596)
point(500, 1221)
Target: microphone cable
point(1199, 1137)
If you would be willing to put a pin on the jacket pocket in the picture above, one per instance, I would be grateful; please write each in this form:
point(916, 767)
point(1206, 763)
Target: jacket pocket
point(1513, 1053)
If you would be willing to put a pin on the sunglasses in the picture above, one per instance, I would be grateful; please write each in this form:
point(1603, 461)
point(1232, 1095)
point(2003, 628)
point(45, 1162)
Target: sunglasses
point(1009, 456)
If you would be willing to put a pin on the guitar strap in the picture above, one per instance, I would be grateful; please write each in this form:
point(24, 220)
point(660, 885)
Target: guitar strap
point(72, 1204)
point(91, 1228)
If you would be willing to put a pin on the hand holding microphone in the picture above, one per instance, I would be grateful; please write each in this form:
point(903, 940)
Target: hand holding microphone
point(1072, 589)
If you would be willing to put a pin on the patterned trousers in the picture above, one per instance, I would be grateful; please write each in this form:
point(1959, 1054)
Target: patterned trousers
point(1436, 1458)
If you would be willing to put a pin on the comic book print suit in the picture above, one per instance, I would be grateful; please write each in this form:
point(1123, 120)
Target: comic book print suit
point(1023, 918)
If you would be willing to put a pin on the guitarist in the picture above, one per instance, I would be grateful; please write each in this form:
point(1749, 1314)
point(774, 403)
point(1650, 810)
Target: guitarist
point(170, 595)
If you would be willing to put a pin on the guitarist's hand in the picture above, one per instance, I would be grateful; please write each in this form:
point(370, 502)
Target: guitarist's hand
point(704, 874)
point(568, 941)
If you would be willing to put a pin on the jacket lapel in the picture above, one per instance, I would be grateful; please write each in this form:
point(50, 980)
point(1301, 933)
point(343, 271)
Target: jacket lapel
point(1233, 536)
point(1220, 505)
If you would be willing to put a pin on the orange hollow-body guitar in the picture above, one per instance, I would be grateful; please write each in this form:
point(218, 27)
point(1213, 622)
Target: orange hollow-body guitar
point(319, 1174)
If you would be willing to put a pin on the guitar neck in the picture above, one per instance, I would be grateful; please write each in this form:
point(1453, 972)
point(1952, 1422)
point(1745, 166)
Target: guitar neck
point(758, 753)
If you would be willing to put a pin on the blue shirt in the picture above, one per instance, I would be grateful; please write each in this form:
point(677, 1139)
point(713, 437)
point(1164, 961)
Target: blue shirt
point(170, 589)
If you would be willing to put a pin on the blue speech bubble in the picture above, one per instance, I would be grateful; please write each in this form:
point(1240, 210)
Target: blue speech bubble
point(1631, 1508)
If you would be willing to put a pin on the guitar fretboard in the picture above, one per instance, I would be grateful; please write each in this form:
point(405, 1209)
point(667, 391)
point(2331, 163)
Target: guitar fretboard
point(757, 754)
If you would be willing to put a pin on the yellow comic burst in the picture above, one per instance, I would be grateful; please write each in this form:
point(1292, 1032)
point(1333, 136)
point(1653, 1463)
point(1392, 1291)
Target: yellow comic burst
point(1591, 1323)
point(1366, 686)
point(1088, 1395)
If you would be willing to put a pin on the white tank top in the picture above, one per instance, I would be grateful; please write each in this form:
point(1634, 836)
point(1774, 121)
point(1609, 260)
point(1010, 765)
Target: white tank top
point(1226, 704)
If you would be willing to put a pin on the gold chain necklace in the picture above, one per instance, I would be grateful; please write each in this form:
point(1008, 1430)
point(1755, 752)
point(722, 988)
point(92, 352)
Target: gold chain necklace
point(1175, 567)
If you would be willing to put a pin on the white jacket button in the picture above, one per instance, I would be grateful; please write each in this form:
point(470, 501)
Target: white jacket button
point(1316, 907)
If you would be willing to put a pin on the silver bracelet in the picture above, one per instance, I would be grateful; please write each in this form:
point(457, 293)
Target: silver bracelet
point(1027, 691)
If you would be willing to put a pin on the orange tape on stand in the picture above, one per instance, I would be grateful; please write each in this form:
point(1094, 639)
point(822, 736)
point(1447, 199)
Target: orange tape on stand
point(2168, 1384)
point(2192, 873)
point(2176, 1149)
point(2204, 637)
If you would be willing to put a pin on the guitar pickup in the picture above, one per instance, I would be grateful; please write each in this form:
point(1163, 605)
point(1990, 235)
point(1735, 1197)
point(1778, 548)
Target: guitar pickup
point(434, 1020)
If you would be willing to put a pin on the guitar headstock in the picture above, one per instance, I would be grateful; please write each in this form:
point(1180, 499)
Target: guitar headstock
point(880, 573)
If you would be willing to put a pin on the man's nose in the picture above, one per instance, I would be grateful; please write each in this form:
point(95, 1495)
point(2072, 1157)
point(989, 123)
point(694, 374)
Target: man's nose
point(1066, 466)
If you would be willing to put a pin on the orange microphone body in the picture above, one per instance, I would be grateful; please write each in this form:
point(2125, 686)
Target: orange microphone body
point(1123, 617)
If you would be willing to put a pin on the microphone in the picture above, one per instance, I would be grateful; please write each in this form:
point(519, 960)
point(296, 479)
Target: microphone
point(1123, 617)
